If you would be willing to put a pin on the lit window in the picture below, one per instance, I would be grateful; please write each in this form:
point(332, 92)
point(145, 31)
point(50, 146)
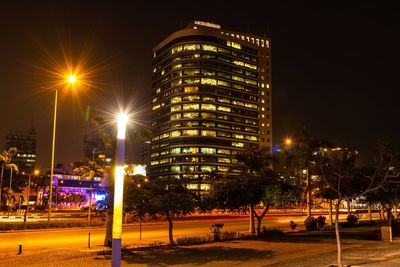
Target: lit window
point(248, 105)
point(224, 151)
point(267, 85)
point(251, 66)
point(175, 133)
point(191, 47)
point(175, 108)
point(238, 86)
point(208, 47)
point(234, 45)
point(190, 150)
point(176, 99)
point(176, 49)
point(237, 78)
point(237, 144)
point(222, 108)
point(191, 97)
point(223, 83)
point(237, 62)
point(208, 81)
point(156, 154)
point(190, 115)
point(191, 106)
point(206, 168)
point(176, 150)
point(190, 132)
point(175, 168)
point(224, 160)
point(158, 90)
point(248, 81)
point(208, 124)
point(223, 169)
point(207, 115)
point(208, 107)
point(176, 82)
point(155, 99)
point(191, 81)
point(177, 66)
point(251, 138)
point(191, 89)
point(192, 186)
point(262, 101)
point(175, 116)
point(208, 150)
point(208, 133)
point(224, 134)
point(238, 136)
point(207, 98)
point(165, 135)
point(205, 187)
point(262, 93)
point(163, 161)
point(262, 108)
point(154, 162)
point(191, 72)
point(156, 107)
point(224, 100)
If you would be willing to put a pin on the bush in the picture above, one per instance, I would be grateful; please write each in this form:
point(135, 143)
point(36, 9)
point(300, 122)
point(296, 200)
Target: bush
point(310, 223)
point(271, 232)
point(292, 225)
point(216, 230)
point(321, 222)
point(193, 240)
point(352, 219)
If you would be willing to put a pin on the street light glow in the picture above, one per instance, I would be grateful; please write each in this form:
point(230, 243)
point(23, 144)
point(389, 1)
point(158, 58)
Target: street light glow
point(122, 120)
point(72, 79)
point(288, 141)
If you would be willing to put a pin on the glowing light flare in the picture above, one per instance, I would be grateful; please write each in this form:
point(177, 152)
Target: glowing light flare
point(72, 79)
point(122, 120)
point(36, 172)
point(118, 198)
point(288, 141)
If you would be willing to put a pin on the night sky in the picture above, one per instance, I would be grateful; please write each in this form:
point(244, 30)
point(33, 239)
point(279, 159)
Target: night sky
point(334, 67)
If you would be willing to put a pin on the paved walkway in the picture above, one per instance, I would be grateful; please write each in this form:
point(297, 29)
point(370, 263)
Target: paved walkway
point(287, 251)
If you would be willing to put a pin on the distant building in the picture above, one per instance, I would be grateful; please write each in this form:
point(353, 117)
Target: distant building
point(25, 142)
point(211, 97)
point(94, 148)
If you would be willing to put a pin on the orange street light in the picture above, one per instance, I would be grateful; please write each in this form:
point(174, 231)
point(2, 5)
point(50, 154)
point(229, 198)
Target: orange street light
point(288, 141)
point(70, 80)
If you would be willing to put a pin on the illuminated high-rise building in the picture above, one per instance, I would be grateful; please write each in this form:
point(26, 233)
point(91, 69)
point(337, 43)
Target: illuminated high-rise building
point(211, 97)
point(25, 143)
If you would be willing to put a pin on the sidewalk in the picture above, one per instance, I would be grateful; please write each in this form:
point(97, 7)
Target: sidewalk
point(287, 251)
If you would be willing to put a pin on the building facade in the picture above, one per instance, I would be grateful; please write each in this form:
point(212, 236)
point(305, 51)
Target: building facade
point(211, 97)
point(25, 143)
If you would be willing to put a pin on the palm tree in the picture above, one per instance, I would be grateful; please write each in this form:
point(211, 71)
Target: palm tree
point(5, 159)
point(89, 170)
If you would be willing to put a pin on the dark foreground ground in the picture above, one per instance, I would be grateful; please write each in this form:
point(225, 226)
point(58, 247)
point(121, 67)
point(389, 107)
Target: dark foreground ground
point(360, 248)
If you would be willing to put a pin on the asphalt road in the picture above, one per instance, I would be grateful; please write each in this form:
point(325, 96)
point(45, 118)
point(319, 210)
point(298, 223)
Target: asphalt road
point(151, 232)
point(78, 237)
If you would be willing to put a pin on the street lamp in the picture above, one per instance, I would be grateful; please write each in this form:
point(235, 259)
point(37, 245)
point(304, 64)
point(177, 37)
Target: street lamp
point(71, 80)
point(122, 120)
point(35, 173)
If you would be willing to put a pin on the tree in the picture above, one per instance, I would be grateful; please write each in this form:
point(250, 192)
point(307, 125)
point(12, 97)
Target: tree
point(341, 176)
point(88, 170)
point(254, 183)
point(167, 197)
point(5, 160)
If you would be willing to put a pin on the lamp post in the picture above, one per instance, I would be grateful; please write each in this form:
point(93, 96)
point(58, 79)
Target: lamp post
point(122, 120)
point(71, 80)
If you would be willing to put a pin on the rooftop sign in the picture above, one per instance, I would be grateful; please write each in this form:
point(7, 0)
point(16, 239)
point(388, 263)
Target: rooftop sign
point(207, 24)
